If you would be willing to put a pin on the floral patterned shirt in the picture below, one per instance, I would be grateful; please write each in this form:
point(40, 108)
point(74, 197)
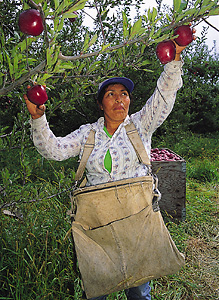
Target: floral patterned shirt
point(125, 163)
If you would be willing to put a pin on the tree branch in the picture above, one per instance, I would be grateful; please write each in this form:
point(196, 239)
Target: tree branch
point(101, 23)
point(210, 24)
point(21, 80)
point(38, 68)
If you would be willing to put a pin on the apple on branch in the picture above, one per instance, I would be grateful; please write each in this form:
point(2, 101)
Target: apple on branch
point(185, 35)
point(30, 22)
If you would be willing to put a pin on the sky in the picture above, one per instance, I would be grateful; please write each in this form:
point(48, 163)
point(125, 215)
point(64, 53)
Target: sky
point(211, 35)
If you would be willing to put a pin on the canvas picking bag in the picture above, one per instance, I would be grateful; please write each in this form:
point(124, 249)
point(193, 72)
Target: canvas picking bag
point(120, 238)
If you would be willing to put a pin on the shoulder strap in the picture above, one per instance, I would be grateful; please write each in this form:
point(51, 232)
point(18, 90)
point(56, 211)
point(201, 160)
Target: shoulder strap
point(137, 143)
point(134, 138)
point(88, 147)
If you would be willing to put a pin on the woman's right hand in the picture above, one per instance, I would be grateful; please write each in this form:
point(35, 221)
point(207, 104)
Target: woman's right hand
point(36, 111)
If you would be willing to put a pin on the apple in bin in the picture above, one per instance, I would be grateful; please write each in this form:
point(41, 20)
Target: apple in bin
point(37, 94)
point(185, 35)
point(30, 22)
point(163, 155)
point(166, 51)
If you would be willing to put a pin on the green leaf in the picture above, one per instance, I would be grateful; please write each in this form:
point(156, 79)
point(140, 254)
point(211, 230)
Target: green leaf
point(15, 63)
point(206, 8)
point(104, 47)
point(79, 5)
point(94, 66)
point(61, 24)
point(145, 18)
point(197, 3)
point(11, 71)
point(168, 18)
point(56, 55)
point(56, 3)
point(62, 6)
point(205, 2)
point(176, 4)
point(56, 23)
point(214, 11)
point(189, 12)
point(149, 15)
point(37, 1)
point(88, 43)
point(157, 33)
point(151, 32)
point(49, 53)
point(69, 15)
point(146, 62)
point(67, 65)
point(161, 38)
point(135, 28)
point(154, 14)
point(183, 5)
point(147, 70)
point(125, 25)
point(25, 6)
point(93, 40)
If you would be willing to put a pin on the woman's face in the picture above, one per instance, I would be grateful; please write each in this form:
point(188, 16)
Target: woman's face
point(115, 103)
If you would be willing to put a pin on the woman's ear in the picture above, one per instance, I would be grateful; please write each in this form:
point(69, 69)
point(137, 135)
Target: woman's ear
point(100, 105)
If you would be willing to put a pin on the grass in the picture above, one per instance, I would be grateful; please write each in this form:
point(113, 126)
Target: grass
point(37, 257)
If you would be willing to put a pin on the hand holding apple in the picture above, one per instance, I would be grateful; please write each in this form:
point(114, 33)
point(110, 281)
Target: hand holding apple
point(166, 51)
point(170, 50)
point(35, 109)
point(180, 48)
point(37, 94)
point(185, 35)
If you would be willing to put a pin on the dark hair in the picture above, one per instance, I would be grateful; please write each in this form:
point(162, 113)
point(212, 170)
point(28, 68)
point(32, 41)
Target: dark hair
point(103, 91)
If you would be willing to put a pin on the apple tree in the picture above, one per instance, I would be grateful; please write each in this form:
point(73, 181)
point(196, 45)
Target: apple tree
point(72, 59)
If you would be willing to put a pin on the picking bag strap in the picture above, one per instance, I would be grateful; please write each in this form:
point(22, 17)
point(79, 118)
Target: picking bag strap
point(88, 147)
point(134, 138)
point(137, 144)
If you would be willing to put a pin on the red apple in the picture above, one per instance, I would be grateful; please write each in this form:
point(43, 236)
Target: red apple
point(73, 19)
point(37, 94)
point(163, 155)
point(30, 22)
point(166, 51)
point(185, 35)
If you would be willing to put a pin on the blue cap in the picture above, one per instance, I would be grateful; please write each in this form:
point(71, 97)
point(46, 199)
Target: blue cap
point(122, 80)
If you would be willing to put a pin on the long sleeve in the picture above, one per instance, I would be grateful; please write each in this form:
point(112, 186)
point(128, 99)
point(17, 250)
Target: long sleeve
point(56, 148)
point(160, 104)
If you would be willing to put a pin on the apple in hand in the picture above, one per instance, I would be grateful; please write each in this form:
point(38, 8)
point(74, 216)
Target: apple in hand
point(37, 94)
point(166, 51)
point(185, 35)
point(30, 22)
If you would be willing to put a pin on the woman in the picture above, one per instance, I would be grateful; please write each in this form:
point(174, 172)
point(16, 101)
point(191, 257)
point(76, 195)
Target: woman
point(113, 157)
